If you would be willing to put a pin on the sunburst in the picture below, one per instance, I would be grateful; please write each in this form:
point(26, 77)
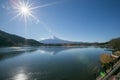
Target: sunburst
point(25, 9)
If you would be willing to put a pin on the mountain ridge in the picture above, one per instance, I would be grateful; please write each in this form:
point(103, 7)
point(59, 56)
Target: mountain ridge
point(55, 40)
point(7, 39)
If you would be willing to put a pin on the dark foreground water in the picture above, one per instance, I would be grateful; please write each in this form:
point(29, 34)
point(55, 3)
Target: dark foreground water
point(49, 63)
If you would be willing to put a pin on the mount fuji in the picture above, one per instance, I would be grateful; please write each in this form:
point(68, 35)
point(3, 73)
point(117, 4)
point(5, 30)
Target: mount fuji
point(55, 40)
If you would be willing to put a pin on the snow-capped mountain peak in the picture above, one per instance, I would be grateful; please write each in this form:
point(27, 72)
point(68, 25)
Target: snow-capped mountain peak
point(54, 37)
point(54, 40)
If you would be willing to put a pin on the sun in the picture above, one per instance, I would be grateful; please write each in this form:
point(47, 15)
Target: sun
point(24, 10)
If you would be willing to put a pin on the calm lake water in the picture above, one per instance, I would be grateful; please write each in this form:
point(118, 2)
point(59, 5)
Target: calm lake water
point(49, 63)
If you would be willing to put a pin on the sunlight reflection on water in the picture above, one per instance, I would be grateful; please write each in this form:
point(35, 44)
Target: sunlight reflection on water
point(20, 76)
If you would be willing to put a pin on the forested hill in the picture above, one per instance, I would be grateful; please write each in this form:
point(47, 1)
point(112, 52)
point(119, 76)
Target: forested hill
point(7, 39)
point(114, 43)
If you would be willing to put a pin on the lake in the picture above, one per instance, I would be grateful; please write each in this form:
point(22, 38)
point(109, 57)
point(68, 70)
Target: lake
point(51, 63)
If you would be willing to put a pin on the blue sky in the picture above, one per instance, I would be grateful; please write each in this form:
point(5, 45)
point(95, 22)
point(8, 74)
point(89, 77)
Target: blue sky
point(74, 20)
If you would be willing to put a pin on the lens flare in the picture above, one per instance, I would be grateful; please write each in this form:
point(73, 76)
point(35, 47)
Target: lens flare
point(24, 9)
